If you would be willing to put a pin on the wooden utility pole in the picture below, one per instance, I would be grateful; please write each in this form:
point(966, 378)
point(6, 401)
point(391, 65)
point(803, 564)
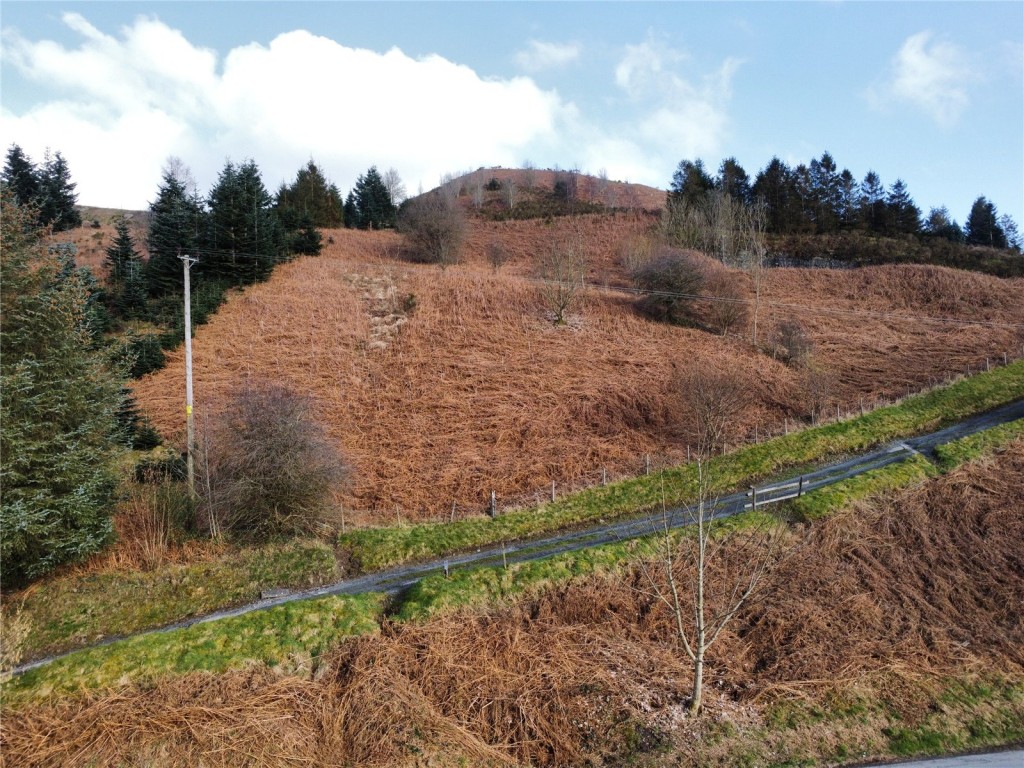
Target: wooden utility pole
point(190, 427)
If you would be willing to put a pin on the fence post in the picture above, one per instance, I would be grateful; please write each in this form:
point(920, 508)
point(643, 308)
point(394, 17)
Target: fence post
point(604, 476)
point(552, 490)
point(648, 468)
point(800, 487)
point(494, 505)
point(453, 510)
point(753, 499)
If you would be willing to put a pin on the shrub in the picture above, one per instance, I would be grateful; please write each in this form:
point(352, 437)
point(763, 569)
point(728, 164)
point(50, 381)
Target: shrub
point(267, 467)
point(670, 281)
point(793, 345)
point(727, 306)
point(434, 226)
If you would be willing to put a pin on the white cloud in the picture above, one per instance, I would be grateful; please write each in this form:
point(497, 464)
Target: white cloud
point(540, 55)
point(118, 106)
point(929, 75)
point(128, 102)
point(678, 116)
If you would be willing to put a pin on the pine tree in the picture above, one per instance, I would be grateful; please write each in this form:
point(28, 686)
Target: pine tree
point(57, 197)
point(902, 216)
point(312, 196)
point(21, 177)
point(127, 296)
point(244, 239)
point(58, 431)
point(176, 222)
point(373, 202)
point(872, 203)
point(691, 184)
point(734, 181)
point(351, 211)
point(982, 226)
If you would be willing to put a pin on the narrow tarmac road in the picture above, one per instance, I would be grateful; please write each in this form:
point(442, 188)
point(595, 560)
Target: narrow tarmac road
point(395, 580)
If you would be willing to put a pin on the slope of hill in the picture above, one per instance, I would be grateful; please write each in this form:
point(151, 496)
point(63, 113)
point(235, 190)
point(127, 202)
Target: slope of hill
point(887, 630)
point(444, 385)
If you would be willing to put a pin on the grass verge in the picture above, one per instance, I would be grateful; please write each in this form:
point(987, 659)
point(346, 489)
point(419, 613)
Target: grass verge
point(288, 636)
point(379, 548)
point(67, 612)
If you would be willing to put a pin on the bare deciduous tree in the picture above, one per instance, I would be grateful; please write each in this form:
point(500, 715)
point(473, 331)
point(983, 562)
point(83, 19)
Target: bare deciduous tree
point(434, 226)
point(562, 271)
point(395, 186)
point(529, 174)
point(496, 254)
point(727, 303)
point(703, 607)
point(509, 192)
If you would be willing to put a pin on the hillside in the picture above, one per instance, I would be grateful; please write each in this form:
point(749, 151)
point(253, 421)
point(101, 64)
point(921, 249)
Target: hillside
point(886, 630)
point(443, 385)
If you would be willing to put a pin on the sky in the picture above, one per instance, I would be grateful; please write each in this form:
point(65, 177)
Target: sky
point(928, 92)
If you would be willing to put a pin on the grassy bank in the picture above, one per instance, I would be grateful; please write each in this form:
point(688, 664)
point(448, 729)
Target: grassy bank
point(295, 632)
point(70, 611)
point(288, 636)
point(379, 548)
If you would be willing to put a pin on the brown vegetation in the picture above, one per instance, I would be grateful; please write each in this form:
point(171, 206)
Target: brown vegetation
point(442, 386)
point(883, 602)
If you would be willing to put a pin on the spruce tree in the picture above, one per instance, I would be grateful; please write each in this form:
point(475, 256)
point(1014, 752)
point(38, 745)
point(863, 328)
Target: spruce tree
point(872, 203)
point(902, 216)
point(176, 222)
point(57, 197)
point(127, 296)
point(373, 201)
point(21, 177)
point(691, 184)
point(243, 241)
point(351, 211)
point(58, 426)
point(982, 226)
point(311, 195)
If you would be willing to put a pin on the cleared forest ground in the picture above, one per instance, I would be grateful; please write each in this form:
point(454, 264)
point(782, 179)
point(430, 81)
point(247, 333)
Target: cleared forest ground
point(891, 628)
point(443, 385)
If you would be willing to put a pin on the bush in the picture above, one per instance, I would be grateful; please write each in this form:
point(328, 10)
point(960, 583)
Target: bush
point(670, 280)
point(793, 345)
point(267, 468)
point(727, 307)
point(434, 226)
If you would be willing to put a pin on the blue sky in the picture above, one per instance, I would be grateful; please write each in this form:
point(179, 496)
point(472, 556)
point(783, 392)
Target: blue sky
point(932, 93)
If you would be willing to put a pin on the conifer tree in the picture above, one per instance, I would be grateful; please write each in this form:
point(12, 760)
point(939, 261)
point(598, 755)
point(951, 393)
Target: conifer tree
point(982, 226)
point(311, 195)
point(373, 202)
point(176, 222)
point(902, 216)
point(57, 197)
point(243, 240)
point(58, 415)
point(21, 177)
point(127, 287)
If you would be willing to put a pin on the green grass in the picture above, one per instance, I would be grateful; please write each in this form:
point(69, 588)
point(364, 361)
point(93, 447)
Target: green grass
point(952, 455)
point(494, 586)
point(825, 501)
point(71, 611)
point(290, 636)
point(378, 548)
point(302, 630)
